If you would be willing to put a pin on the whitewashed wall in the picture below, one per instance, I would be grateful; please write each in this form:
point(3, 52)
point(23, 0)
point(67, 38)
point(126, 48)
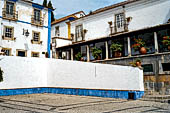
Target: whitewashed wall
point(40, 72)
point(23, 72)
point(63, 27)
point(144, 13)
point(25, 10)
point(61, 42)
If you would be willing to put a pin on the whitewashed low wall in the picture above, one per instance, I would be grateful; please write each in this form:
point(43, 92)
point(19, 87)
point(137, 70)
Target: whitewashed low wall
point(23, 72)
point(40, 72)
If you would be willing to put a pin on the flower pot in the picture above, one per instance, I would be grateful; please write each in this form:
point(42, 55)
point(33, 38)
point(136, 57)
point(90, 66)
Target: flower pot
point(117, 54)
point(98, 58)
point(168, 47)
point(143, 50)
point(81, 59)
point(138, 64)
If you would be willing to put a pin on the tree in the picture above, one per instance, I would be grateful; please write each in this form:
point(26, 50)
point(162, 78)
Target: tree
point(45, 3)
point(52, 14)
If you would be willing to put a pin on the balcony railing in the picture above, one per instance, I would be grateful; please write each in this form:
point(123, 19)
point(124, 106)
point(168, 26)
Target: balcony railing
point(118, 29)
point(9, 15)
point(39, 22)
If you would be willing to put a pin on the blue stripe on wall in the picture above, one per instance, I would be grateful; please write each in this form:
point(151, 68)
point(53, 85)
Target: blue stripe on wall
point(71, 91)
point(49, 32)
point(13, 0)
point(37, 6)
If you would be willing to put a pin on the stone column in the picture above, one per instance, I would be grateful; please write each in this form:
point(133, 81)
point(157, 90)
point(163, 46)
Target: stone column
point(156, 42)
point(107, 50)
point(57, 54)
point(72, 56)
point(88, 53)
point(129, 48)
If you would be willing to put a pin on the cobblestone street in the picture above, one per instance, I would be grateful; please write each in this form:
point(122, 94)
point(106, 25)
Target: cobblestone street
point(55, 103)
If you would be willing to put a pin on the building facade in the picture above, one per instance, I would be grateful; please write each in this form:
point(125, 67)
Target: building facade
point(25, 28)
point(131, 25)
point(61, 31)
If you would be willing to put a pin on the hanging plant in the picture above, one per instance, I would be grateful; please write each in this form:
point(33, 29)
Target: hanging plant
point(1, 75)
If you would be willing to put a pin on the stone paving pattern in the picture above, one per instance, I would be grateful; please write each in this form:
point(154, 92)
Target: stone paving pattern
point(56, 103)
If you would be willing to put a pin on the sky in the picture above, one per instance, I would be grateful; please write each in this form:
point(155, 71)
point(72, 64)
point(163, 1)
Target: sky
point(67, 7)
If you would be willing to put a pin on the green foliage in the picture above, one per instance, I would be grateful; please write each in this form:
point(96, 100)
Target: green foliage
point(50, 5)
point(166, 40)
point(138, 44)
point(45, 3)
point(78, 56)
point(96, 52)
point(52, 17)
point(1, 75)
point(134, 62)
point(116, 47)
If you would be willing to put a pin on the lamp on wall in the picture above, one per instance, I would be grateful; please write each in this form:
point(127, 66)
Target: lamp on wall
point(25, 32)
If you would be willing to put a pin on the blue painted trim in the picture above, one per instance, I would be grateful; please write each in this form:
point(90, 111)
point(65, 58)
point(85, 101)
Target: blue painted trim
point(13, 0)
point(37, 6)
point(49, 32)
point(26, 22)
point(71, 18)
point(71, 91)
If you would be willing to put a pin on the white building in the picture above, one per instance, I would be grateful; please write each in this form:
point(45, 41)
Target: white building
point(25, 28)
point(125, 24)
point(61, 30)
point(126, 16)
point(121, 18)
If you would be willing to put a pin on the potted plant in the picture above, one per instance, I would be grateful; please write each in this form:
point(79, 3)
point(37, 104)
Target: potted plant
point(166, 41)
point(116, 48)
point(139, 46)
point(96, 53)
point(136, 63)
point(79, 56)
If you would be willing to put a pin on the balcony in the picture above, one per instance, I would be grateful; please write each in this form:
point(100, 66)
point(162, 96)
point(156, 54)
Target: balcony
point(9, 15)
point(118, 27)
point(37, 22)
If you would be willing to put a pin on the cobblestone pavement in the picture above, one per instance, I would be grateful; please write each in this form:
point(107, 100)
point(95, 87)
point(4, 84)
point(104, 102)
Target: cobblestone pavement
point(55, 103)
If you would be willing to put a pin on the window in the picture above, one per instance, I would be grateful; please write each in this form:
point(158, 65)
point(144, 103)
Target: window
point(57, 31)
point(35, 37)
point(120, 20)
point(21, 53)
point(147, 68)
point(36, 18)
point(6, 51)
point(8, 32)
point(8, 12)
point(9, 8)
point(35, 54)
point(36, 15)
point(79, 33)
point(166, 66)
